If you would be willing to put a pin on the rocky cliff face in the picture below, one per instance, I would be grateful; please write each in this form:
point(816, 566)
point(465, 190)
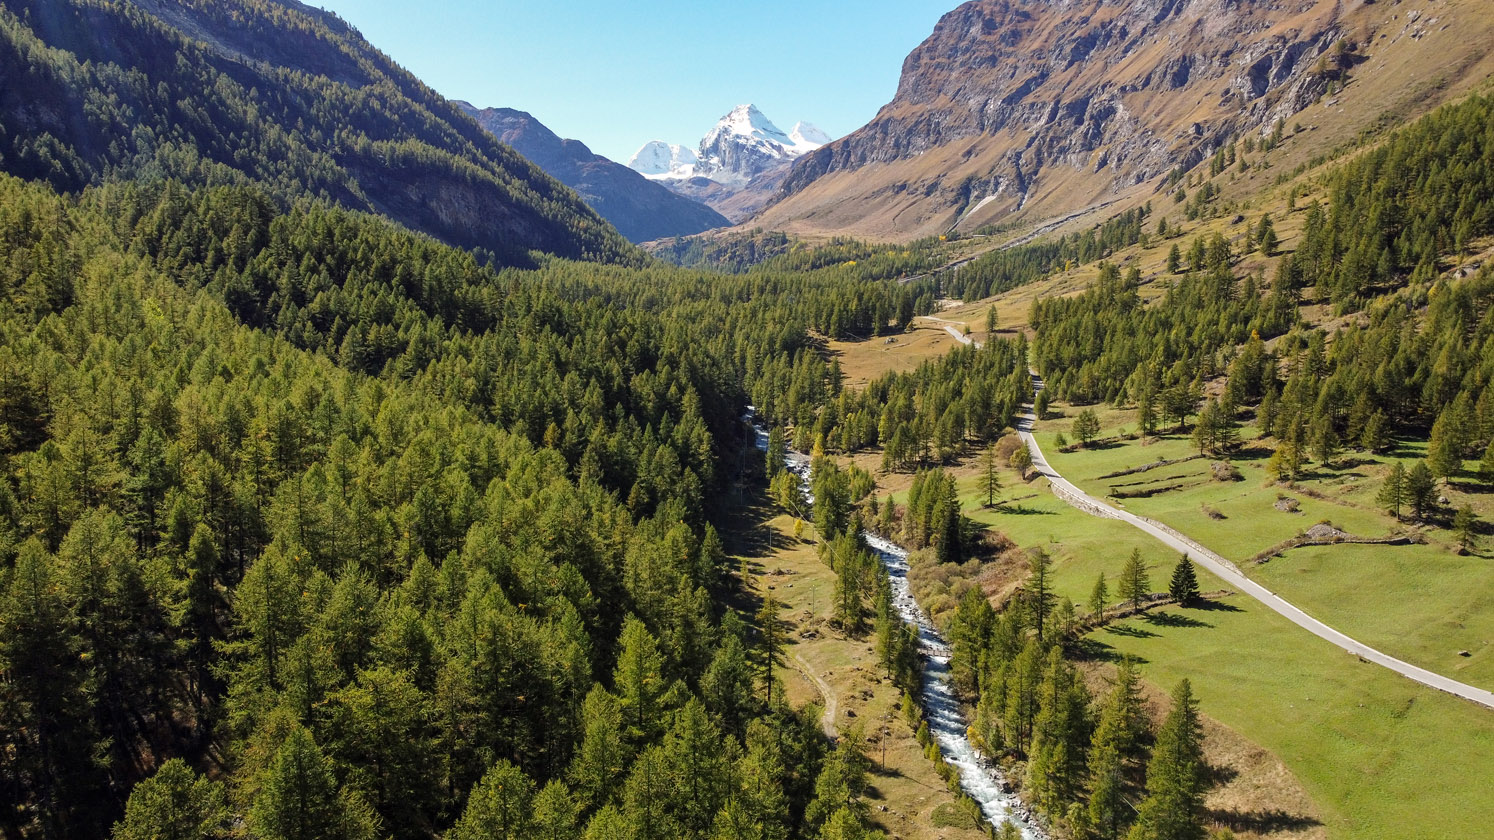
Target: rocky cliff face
point(1061, 102)
point(640, 209)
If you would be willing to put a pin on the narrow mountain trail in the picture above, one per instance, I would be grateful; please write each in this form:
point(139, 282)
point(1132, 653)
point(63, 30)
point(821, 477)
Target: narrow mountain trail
point(1229, 572)
point(832, 700)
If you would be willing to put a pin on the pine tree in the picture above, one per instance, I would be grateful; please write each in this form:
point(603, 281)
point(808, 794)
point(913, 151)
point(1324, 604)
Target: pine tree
point(555, 813)
point(1421, 490)
point(639, 683)
point(300, 800)
point(174, 804)
point(598, 766)
point(1134, 582)
point(1174, 259)
point(1086, 426)
point(777, 448)
point(1060, 737)
point(1099, 597)
point(1444, 450)
point(1464, 523)
point(1393, 492)
point(1040, 597)
point(498, 808)
point(990, 478)
point(1184, 584)
point(1117, 740)
point(1175, 778)
point(770, 642)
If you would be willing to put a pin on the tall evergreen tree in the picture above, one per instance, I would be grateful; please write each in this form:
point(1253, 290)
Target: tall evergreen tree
point(499, 808)
point(1393, 492)
point(1184, 584)
point(1421, 490)
point(990, 476)
point(1099, 597)
point(1040, 597)
point(1176, 778)
point(300, 800)
point(1135, 583)
point(174, 804)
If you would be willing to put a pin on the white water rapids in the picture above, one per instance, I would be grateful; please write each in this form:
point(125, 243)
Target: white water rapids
point(941, 707)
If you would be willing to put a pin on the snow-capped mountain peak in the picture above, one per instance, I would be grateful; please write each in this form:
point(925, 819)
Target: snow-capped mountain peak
point(659, 159)
point(748, 121)
point(808, 136)
point(742, 145)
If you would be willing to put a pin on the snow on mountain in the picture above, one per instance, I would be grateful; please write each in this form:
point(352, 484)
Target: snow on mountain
point(659, 159)
point(808, 137)
point(741, 146)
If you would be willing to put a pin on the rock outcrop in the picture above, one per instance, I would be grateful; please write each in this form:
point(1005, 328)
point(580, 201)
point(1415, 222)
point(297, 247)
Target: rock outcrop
point(1063, 103)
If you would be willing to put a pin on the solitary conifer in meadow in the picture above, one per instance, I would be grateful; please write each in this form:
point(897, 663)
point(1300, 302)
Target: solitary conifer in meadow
point(990, 478)
point(1184, 584)
point(1099, 597)
point(1393, 491)
point(1134, 583)
point(1421, 490)
point(1463, 524)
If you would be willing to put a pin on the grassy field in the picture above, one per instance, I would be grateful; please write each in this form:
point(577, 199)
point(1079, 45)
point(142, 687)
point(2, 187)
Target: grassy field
point(1422, 603)
point(1358, 740)
point(907, 798)
point(863, 361)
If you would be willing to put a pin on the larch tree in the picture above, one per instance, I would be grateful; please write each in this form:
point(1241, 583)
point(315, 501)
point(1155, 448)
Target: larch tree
point(1135, 584)
point(299, 798)
point(1392, 493)
point(174, 804)
point(1176, 777)
point(499, 807)
point(1099, 597)
point(990, 476)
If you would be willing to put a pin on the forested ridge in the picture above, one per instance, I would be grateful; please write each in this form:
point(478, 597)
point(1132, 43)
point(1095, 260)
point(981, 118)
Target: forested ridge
point(461, 584)
point(280, 95)
point(1414, 355)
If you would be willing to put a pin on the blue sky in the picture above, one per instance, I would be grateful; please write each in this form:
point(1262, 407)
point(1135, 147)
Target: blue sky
point(616, 75)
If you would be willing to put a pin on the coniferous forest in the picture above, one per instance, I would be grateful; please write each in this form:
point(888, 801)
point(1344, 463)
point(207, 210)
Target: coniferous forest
point(357, 481)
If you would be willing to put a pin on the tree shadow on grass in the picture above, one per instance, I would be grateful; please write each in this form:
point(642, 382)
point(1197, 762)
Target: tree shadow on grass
point(1130, 630)
point(1262, 821)
point(1214, 605)
point(1249, 453)
point(1024, 510)
point(1090, 649)
point(1172, 619)
point(1221, 774)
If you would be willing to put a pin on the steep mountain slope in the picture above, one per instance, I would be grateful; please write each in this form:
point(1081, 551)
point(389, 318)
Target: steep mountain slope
point(1041, 109)
point(640, 209)
point(270, 91)
point(739, 164)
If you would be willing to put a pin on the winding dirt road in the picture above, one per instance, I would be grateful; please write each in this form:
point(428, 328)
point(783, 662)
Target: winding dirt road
point(832, 702)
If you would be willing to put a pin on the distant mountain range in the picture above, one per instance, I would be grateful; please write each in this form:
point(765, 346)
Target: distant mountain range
point(277, 94)
point(639, 208)
point(737, 166)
